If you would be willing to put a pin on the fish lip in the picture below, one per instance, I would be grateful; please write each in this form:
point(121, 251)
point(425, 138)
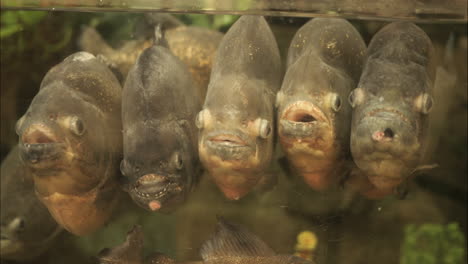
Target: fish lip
point(38, 134)
point(386, 113)
point(299, 117)
point(227, 139)
point(153, 186)
point(40, 152)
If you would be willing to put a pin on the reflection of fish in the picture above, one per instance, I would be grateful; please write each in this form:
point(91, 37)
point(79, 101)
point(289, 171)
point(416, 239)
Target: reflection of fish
point(160, 137)
point(230, 244)
point(325, 59)
point(27, 229)
point(195, 46)
point(70, 137)
point(391, 105)
point(236, 137)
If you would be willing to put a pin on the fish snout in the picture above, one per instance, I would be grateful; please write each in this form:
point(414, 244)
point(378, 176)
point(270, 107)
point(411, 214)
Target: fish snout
point(39, 144)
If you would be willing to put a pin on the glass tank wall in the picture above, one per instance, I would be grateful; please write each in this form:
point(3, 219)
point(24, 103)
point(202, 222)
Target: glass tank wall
point(421, 219)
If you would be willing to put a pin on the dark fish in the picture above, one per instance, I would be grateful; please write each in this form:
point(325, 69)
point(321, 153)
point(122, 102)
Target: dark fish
point(236, 123)
point(195, 46)
point(325, 60)
point(160, 137)
point(70, 137)
point(391, 105)
point(26, 229)
point(230, 244)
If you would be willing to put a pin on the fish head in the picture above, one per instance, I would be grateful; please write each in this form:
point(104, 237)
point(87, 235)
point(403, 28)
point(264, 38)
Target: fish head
point(313, 119)
point(71, 125)
point(236, 134)
point(388, 133)
point(59, 129)
point(159, 168)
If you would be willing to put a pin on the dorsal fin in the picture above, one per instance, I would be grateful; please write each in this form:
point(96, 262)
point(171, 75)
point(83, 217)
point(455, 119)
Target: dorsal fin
point(130, 252)
point(159, 39)
point(231, 240)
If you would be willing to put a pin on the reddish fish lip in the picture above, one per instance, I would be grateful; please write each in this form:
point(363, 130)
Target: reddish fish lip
point(303, 112)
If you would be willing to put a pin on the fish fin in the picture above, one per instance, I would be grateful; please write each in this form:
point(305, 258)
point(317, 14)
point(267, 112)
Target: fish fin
point(424, 167)
point(159, 258)
point(131, 251)
point(91, 41)
point(231, 240)
point(267, 182)
point(159, 39)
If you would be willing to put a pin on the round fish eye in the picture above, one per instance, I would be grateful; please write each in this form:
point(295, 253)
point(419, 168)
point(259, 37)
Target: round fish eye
point(199, 120)
point(427, 104)
point(77, 126)
point(356, 97)
point(178, 162)
point(18, 125)
point(122, 167)
point(335, 102)
point(264, 128)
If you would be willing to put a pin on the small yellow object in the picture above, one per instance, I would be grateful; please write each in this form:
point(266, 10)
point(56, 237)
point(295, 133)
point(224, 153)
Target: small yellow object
point(306, 241)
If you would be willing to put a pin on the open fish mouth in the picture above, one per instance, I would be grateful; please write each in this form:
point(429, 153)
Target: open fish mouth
point(154, 186)
point(300, 118)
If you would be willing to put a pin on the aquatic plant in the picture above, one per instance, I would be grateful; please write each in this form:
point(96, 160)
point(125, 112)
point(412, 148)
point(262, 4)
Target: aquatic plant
point(433, 244)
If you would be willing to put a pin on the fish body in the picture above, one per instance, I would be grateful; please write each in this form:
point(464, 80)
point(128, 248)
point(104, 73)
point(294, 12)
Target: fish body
point(70, 138)
point(195, 46)
point(324, 63)
point(160, 137)
point(391, 106)
point(27, 229)
point(236, 123)
point(230, 244)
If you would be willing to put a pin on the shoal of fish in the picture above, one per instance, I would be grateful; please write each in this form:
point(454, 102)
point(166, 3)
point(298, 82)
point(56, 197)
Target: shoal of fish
point(147, 120)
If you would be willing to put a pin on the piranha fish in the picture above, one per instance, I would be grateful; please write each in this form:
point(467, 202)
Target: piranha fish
point(230, 244)
point(325, 59)
point(195, 46)
point(236, 123)
point(160, 145)
point(391, 106)
point(71, 140)
point(27, 229)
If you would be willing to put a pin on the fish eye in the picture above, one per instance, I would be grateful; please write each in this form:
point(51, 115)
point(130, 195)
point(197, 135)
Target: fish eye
point(335, 102)
point(199, 120)
point(178, 162)
point(356, 97)
point(426, 104)
point(264, 128)
point(122, 167)
point(18, 125)
point(77, 126)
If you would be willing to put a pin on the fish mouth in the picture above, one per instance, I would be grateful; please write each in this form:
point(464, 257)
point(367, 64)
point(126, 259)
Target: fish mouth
point(229, 145)
point(151, 190)
point(38, 144)
point(35, 154)
point(300, 118)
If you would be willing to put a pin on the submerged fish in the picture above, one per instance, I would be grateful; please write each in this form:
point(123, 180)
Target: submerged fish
point(325, 60)
point(160, 137)
point(230, 244)
point(236, 123)
point(26, 229)
point(195, 46)
point(391, 105)
point(70, 138)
